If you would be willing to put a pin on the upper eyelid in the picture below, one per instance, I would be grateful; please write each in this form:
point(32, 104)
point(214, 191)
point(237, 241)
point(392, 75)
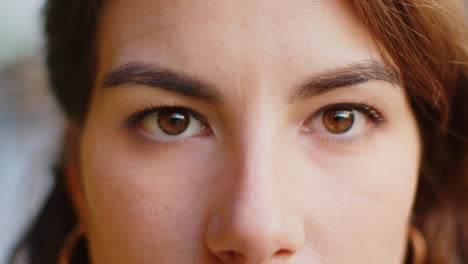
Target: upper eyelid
point(379, 115)
point(139, 115)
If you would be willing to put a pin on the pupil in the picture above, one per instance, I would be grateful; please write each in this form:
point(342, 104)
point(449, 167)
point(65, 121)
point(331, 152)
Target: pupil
point(337, 118)
point(341, 115)
point(176, 118)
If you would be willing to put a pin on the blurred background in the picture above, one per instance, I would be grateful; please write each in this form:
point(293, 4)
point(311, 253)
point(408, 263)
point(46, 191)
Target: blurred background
point(30, 122)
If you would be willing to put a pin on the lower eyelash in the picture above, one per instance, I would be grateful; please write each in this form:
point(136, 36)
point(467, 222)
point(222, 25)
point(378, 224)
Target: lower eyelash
point(355, 139)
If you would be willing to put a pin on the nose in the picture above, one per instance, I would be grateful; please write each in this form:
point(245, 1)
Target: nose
point(252, 222)
point(250, 228)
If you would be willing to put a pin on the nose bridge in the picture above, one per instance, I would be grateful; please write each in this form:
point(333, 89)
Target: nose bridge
point(253, 167)
point(255, 152)
point(251, 225)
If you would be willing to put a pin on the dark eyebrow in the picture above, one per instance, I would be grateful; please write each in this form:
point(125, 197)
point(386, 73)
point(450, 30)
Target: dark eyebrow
point(136, 73)
point(349, 75)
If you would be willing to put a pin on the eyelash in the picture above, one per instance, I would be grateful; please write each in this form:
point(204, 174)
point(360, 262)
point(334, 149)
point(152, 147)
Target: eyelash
point(140, 114)
point(369, 110)
point(376, 116)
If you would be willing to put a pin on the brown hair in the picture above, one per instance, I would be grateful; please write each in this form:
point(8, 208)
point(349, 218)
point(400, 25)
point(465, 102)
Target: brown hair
point(425, 39)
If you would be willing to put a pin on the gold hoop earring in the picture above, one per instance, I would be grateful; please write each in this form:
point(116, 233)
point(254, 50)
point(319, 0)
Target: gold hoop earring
point(71, 241)
point(418, 244)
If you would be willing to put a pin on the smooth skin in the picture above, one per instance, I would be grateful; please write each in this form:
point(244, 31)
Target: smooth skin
point(261, 180)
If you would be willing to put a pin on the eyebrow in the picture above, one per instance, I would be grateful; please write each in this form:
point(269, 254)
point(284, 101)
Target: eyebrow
point(136, 73)
point(349, 75)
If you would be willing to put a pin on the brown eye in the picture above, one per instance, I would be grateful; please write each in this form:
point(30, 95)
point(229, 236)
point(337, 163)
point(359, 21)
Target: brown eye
point(173, 122)
point(338, 120)
point(168, 123)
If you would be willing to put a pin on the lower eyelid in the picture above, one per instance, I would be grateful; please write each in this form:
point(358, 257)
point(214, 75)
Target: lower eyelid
point(340, 141)
point(348, 139)
point(343, 138)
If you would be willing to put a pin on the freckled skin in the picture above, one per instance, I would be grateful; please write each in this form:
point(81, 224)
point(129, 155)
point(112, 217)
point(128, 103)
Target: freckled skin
point(256, 189)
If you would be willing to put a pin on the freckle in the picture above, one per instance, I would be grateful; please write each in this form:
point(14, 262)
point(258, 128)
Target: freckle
point(246, 26)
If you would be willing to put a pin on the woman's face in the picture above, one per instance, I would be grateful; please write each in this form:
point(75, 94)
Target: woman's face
point(245, 132)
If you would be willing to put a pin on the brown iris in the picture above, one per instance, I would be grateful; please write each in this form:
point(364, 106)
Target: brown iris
point(338, 120)
point(173, 122)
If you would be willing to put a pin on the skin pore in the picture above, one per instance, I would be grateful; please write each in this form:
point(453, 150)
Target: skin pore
point(252, 90)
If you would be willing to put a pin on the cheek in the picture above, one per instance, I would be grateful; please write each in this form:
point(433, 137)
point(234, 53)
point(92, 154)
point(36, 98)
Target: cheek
point(142, 196)
point(364, 197)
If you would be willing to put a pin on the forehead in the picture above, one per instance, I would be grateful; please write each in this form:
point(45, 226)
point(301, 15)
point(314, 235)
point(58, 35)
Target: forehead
point(255, 39)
